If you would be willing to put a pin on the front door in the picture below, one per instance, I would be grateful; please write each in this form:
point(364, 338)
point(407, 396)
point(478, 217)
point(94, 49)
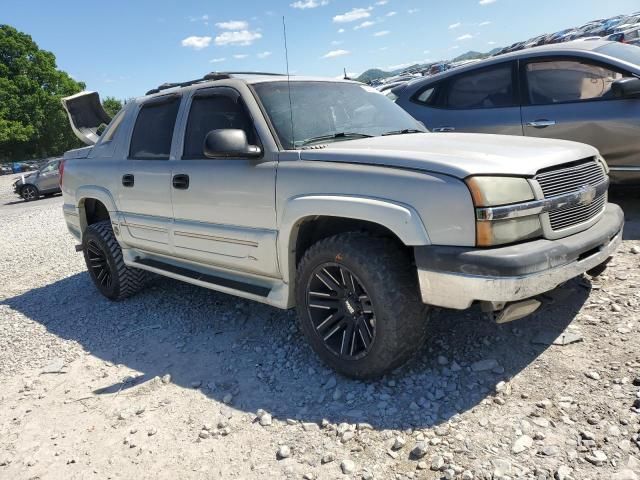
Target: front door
point(571, 99)
point(49, 177)
point(144, 192)
point(224, 208)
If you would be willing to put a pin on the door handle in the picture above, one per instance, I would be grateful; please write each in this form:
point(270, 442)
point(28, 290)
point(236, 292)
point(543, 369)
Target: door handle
point(444, 129)
point(541, 123)
point(128, 180)
point(181, 181)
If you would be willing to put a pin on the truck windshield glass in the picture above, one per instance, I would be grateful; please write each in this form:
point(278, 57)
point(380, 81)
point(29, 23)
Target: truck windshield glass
point(330, 112)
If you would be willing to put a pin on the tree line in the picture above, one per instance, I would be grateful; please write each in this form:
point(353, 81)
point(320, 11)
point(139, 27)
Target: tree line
point(33, 123)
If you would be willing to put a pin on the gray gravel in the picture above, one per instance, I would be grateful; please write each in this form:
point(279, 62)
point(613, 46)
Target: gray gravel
point(182, 382)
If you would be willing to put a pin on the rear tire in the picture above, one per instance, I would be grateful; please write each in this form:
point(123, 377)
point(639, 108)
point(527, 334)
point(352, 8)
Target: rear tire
point(359, 304)
point(30, 193)
point(105, 264)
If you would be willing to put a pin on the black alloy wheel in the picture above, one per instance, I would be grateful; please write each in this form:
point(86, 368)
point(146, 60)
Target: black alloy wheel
point(341, 311)
point(100, 269)
point(29, 193)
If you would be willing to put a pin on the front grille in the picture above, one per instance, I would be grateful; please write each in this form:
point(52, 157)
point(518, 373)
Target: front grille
point(568, 180)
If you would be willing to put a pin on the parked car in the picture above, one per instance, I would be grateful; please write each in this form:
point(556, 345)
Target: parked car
point(630, 36)
point(6, 170)
point(326, 196)
point(583, 91)
point(45, 181)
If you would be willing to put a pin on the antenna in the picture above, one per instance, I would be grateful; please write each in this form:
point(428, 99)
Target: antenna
point(286, 56)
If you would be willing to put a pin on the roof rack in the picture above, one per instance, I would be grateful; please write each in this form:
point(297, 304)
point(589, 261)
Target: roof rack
point(207, 78)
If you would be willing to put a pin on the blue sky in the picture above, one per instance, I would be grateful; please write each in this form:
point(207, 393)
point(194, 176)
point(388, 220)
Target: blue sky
point(123, 48)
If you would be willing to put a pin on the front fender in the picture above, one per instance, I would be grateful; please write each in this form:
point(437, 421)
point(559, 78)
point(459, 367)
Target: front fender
point(401, 219)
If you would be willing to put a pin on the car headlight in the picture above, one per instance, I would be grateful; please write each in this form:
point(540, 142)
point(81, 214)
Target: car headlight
point(498, 191)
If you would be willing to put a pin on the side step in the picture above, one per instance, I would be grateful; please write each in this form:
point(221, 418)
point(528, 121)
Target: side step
point(204, 277)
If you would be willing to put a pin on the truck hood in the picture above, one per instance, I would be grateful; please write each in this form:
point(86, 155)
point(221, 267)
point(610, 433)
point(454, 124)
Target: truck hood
point(455, 154)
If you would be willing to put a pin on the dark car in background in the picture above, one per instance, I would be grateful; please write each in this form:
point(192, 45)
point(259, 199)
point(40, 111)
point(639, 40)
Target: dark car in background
point(588, 92)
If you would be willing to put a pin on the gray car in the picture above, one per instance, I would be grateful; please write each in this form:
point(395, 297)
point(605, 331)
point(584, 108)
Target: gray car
point(583, 91)
point(44, 181)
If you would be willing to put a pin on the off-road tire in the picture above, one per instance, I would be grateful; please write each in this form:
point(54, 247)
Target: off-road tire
point(34, 196)
point(387, 273)
point(125, 281)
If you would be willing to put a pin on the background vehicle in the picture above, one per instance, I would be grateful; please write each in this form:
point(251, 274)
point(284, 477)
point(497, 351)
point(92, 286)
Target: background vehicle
point(6, 170)
point(630, 36)
point(583, 91)
point(45, 181)
point(338, 212)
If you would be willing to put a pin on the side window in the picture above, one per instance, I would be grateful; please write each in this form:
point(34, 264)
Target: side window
point(488, 88)
point(560, 81)
point(214, 112)
point(427, 96)
point(50, 167)
point(151, 139)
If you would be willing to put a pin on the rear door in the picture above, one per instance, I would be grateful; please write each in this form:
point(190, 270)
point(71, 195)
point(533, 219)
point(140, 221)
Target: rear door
point(224, 208)
point(144, 192)
point(484, 100)
point(570, 98)
point(49, 178)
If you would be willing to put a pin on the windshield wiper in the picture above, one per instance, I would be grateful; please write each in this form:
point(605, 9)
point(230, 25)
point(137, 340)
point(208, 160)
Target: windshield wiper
point(334, 136)
point(402, 132)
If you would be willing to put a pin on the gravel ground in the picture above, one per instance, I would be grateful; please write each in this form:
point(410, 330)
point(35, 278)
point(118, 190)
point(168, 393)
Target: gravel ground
point(182, 382)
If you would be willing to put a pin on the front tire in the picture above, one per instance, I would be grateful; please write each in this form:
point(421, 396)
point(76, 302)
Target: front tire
point(359, 304)
point(105, 264)
point(30, 193)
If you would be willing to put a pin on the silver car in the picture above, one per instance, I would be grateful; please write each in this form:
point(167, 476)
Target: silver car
point(583, 91)
point(44, 181)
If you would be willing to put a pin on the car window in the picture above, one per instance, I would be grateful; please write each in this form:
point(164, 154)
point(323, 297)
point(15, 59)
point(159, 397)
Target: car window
point(561, 81)
point(488, 88)
point(214, 113)
point(153, 130)
point(50, 167)
point(427, 96)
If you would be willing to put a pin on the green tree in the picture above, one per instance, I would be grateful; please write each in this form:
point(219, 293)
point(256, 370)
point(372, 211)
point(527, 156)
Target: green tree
point(111, 105)
point(32, 121)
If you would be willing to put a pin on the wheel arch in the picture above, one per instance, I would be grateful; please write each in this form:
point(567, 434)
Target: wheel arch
point(94, 204)
point(307, 219)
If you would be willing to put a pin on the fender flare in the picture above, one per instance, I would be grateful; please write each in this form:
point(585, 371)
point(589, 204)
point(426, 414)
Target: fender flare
point(403, 220)
point(94, 192)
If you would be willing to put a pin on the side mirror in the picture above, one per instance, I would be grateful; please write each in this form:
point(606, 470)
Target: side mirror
point(626, 87)
point(229, 143)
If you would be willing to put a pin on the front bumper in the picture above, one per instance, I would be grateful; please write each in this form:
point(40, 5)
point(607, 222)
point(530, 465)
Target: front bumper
point(455, 277)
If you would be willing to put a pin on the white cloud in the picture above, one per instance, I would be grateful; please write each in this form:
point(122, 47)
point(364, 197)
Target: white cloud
point(197, 43)
point(240, 56)
point(353, 15)
point(382, 2)
point(264, 54)
point(427, 52)
point(411, 11)
point(217, 60)
point(365, 24)
point(381, 33)
point(241, 37)
point(484, 24)
point(303, 4)
point(336, 53)
point(486, 2)
point(455, 47)
point(454, 25)
point(204, 18)
point(392, 14)
point(491, 42)
point(337, 42)
point(233, 25)
point(466, 36)
point(341, 30)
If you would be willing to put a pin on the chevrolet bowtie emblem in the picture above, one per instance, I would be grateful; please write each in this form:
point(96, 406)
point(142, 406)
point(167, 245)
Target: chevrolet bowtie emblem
point(587, 194)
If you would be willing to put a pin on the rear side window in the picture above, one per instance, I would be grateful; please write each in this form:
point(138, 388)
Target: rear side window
point(214, 112)
point(488, 88)
point(562, 81)
point(153, 131)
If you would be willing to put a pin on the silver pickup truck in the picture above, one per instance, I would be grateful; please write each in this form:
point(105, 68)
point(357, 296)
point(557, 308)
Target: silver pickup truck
point(326, 196)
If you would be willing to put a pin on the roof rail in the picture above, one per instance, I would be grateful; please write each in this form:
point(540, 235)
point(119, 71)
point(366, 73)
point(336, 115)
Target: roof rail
point(208, 77)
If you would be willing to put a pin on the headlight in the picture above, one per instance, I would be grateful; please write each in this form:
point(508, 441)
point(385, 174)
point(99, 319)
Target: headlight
point(497, 191)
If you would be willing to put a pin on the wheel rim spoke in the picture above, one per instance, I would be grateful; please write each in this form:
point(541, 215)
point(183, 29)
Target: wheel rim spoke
point(341, 311)
point(99, 266)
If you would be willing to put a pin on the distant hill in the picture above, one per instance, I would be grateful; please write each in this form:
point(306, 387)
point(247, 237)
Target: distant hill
point(376, 73)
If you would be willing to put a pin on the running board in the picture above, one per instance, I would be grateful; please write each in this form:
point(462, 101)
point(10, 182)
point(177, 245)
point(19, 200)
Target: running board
point(204, 277)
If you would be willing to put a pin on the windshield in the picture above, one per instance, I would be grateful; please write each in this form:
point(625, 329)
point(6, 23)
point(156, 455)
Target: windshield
point(339, 111)
point(626, 53)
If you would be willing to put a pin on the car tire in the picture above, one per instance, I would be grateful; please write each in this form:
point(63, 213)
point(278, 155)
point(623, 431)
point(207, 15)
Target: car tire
point(29, 193)
point(367, 288)
point(105, 264)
